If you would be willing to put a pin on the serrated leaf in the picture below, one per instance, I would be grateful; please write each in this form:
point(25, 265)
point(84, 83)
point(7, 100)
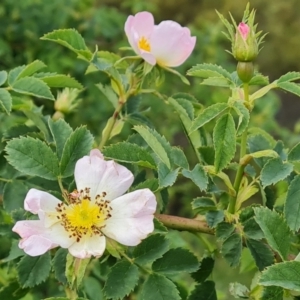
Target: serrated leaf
point(14, 73)
point(214, 217)
point(33, 87)
point(198, 176)
point(179, 158)
point(121, 280)
point(291, 87)
point(34, 270)
point(290, 76)
point(13, 195)
point(31, 69)
point(205, 269)
point(275, 230)
point(32, 157)
point(169, 263)
point(272, 293)
point(285, 275)
point(150, 249)
point(203, 204)
point(275, 170)
point(217, 81)
point(252, 229)
point(261, 92)
point(224, 230)
point(261, 253)
point(244, 117)
point(157, 143)
point(151, 183)
point(71, 39)
point(130, 153)
point(15, 252)
point(158, 287)
point(93, 288)
point(166, 177)
point(294, 154)
point(232, 249)
point(59, 265)
point(62, 81)
point(259, 79)
point(5, 101)
point(238, 290)
point(3, 77)
point(208, 70)
point(292, 204)
point(77, 145)
point(207, 115)
point(204, 291)
point(60, 131)
point(224, 141)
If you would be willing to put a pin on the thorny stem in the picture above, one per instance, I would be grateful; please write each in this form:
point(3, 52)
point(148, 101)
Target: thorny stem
point(186, 224)
point(243, 150)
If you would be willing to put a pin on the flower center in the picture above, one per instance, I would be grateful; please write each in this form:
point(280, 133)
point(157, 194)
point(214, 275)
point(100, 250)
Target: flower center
point(83, 216)
point(144, 44)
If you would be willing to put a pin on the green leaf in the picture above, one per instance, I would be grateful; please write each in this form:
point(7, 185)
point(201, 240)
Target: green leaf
point(285, 275)
point(272, 293)
point(261, 253)
point(60, 131)
point(224, 230)
point(203, 204)
point(77, 145)
point(3, 77)
point(275, 170)
point(238, 290)
point(252, 229)
point(207, 115)
point(259, 79)
point(208, 70)
point(32, 157)
point(121, 280)
point(290, 76)
point(157, 143)
point(71, 39)
point(158, 287)
point(109, 93)
point(33, 87)
point(31, 69)
point(170, 264)
point(151, 183)
point(14, 252)
point(291, 87)
point(261, 92)
point(14, 73)
point(244, 117)
point(166, 177)
point(13, 291)
point(5, 101)
point(217, 81)
point(198, 176)
point(61, 81)
point(232, 249)
point(292, 204)
point(179, 158)
point(14, 195)
point(129, 153)
point(224, 141)
point(205, 269)
point(214, 217)
point(204, 291)
point(59, 265)
point(93, 288)
point(34, 270)
point(294, 154)
point(150, 249)
point(275, 229)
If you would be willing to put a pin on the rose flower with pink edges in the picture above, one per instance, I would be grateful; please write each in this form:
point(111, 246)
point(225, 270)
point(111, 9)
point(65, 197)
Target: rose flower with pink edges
point(166, 44)
point(96, 210)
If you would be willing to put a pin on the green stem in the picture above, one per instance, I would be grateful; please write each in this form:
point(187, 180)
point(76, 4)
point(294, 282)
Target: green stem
point(184, 224)
point(5, 180)
point(111, 123)
point(71, 294)
point(243, 150)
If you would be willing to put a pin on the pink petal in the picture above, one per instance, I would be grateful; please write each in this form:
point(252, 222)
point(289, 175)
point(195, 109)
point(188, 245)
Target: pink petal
point(34, 238)
point(88, 246)
point(140, 25)
point(36, 201)
point(102, 176)
point(244, 30)
point(132, 217)
point(171, 44)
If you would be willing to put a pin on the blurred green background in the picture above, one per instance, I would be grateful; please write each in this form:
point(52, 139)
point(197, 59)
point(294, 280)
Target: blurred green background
point(101, 23)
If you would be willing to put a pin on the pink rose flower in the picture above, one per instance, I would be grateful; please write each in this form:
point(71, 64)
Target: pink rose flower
point(244, 30)
point(97, 209)
point(167, 44)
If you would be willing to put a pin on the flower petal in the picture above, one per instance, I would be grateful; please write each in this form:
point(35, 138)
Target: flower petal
point(171, 44)
point(102, 176)
point(88, 246)
point(132, 217)
point(140, 25)
point(34, 239)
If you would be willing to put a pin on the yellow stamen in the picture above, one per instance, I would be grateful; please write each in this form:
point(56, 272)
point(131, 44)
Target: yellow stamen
point(144, 44)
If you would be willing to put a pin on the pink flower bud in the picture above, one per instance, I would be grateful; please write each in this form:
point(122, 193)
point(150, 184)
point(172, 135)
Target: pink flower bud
point(244, 30)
